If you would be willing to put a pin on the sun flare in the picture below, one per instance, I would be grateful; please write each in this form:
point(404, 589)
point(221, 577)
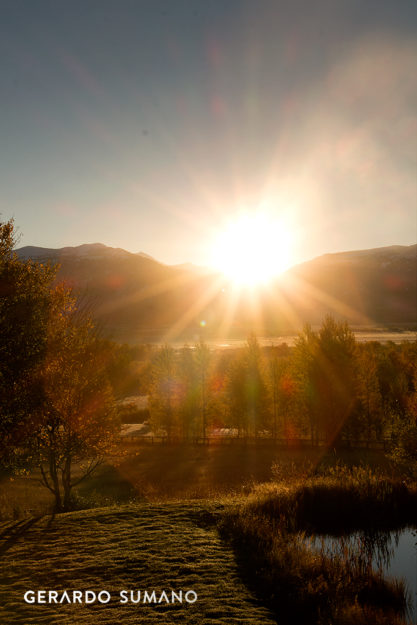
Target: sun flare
point(253, 249)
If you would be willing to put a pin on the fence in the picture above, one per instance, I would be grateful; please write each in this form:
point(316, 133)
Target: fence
point(258, 441)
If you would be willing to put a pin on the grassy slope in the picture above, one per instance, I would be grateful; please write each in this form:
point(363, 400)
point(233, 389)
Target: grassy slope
point(146, 547)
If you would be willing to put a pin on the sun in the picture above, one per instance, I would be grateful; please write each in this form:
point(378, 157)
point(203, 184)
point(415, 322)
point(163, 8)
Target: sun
point(253, 249)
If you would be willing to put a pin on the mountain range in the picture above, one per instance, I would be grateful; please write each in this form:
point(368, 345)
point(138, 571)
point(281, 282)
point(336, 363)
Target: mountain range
point(136, 298)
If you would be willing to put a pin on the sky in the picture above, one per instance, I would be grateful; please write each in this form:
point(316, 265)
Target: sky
point(149, 125)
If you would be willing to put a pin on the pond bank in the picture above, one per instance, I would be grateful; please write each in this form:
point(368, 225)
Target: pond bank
point(269, 533)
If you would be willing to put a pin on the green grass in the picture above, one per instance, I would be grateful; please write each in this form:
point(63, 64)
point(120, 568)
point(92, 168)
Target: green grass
point(130, 547)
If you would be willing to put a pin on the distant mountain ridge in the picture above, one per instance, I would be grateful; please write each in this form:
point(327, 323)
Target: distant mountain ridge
point(375, 285)
point(134, 297)
point(86, 249)
point(391, 251)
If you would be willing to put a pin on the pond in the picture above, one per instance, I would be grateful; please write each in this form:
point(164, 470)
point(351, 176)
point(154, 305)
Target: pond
point(394, 553)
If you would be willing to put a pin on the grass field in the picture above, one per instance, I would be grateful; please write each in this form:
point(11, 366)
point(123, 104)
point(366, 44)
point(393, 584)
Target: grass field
point(138, 547)
point(224, 522)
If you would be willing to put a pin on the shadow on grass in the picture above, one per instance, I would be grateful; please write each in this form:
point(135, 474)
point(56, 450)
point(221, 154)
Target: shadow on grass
point(105, 487)
point(190, 471)
point(178, 470)
point(12, 533)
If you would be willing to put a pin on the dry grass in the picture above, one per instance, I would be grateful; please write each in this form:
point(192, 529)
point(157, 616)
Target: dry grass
point(337, 502)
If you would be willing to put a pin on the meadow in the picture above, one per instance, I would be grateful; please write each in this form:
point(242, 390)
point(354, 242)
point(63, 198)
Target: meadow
point(231, 523)
point(136, 547)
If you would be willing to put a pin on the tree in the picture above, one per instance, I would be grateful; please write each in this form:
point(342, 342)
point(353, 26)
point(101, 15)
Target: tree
point(246, 391)
point(188, 399)
point(395, 373)
point(283, 390)
point(326, 365)
point(256, 389)
point(26, 290)
point(76, 424)
point(235, 395)
point(335, 377)
point(164, 390)
point(56, 403)
point(180, 397)
point(404, 422)
point(304, 360)
point(368, 391)
point(202, 361)
point(193, 396)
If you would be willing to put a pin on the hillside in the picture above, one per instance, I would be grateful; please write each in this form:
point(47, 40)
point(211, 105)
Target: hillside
point(365, 286)
point(136, 298)
point(133, 296)
point(142, 547)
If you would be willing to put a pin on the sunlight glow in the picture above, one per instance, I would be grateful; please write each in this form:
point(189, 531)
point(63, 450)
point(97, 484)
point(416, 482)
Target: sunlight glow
point(253, 249)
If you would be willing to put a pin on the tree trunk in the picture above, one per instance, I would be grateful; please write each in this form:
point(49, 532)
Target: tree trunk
point(66, 483)
point(54, 477)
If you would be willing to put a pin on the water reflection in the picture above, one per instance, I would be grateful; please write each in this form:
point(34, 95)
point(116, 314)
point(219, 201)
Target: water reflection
point(393, 554)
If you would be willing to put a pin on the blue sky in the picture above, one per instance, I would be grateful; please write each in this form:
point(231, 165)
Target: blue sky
point(147, 125)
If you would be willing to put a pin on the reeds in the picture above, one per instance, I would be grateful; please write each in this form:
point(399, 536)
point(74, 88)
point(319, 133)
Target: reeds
point(270, 533)
point(340, 501)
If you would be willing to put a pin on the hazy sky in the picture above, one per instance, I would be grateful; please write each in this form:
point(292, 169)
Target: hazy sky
point(146, 124)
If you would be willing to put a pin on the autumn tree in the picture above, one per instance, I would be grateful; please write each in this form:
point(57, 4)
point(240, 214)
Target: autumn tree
point(55, 401)
point(368, 392)
point(246, 392)
point(193, 397)
point(395, 373)
point(26, 290)
point(403, 426)
point(304, 367)
point(203, 362)
point(335, 377)
point(164, 391)
point(326, 363)
point(235, 399)
point(75, 427)
point(188, 399)
point(283, 391)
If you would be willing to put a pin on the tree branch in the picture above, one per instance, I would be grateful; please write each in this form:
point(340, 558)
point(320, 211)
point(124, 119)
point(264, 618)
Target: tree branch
point(44, 481)
point(93, 466)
